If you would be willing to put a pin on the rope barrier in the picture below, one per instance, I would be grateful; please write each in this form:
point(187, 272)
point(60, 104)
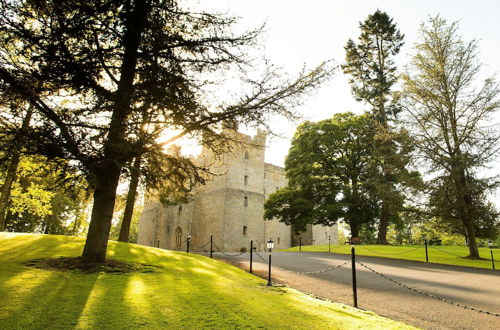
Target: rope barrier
point(451, 253)
point(317, 271)
point(229, 255)
point(389, 253)
point(258, 255)
point(304, 273)
point(426, 293)
point(201, 247)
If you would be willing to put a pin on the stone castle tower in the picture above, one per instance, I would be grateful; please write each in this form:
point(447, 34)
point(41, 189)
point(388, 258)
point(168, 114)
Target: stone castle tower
point(230, 207)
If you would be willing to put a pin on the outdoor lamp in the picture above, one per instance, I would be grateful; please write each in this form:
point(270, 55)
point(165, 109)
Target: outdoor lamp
point(270, 245)
point(188, 241)
point(490, 245)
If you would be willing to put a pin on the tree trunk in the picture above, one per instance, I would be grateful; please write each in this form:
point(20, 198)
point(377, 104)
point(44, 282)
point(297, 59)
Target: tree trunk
point(131, 196)
point(465, 207)
point(107, 173)
point(382, 226)
point(76, 225)
point(354, 230)
point(471, 240)
point(10, 176)
point(102, 214)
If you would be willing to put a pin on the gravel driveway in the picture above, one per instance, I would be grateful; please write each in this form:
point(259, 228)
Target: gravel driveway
point(477, 288)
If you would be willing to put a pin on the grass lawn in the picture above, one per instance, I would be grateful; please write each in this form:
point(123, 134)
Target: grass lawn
point(185, 291)
point(450, 255)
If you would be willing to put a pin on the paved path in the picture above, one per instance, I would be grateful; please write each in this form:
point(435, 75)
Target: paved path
point(476, 288)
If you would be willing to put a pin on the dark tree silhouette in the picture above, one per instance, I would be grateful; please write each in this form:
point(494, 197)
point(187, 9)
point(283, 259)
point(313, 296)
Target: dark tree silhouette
point(92, 69)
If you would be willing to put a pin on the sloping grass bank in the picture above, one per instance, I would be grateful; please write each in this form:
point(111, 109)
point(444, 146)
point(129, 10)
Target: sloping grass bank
point(450, 255)
point(185, 292)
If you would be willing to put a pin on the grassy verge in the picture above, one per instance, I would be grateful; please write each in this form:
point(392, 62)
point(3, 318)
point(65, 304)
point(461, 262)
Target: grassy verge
point(184, 292)
point(450, 255)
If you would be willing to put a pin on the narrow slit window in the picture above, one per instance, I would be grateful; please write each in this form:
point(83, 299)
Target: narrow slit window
point(245, 201)
point(180, 210)
point(247, 155)
point(245, 229)
point(246, 180)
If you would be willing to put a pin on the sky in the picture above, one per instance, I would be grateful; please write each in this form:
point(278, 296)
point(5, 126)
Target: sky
point(308, 32)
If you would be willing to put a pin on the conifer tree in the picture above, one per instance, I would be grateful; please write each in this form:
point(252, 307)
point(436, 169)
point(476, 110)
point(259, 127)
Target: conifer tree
point(373, 73)
point(450, 113)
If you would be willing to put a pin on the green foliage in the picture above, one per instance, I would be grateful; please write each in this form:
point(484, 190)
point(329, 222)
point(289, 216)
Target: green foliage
point(368, 233)
point(371, 66)
point(46, 198)
point(27, 193)
point(118, 218)
point(291, 206)
point(330, 174)
point(444, 200)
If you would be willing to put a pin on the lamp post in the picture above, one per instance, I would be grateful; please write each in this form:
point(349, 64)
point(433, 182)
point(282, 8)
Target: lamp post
point(270, 246)
point(426, 251)
point(329, 250)
point(188, 241)
point(490, 245)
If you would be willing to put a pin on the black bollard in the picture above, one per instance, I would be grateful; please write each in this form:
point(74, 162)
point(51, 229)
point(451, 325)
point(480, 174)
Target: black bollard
point(426, 252)
point(187, 245)
point(211, 246)
point(251, 255)
point(492, 260)
point(300, 243)
point(354, 287)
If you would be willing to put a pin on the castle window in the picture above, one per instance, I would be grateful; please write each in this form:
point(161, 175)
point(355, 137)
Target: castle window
point(278, 240)
point(180, 209)
point(246, 201)
point(245, 230)
point(178, 238)
point(246, 180)
point(247, 155)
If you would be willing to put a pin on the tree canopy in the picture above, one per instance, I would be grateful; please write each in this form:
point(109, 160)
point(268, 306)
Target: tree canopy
point(330, 174)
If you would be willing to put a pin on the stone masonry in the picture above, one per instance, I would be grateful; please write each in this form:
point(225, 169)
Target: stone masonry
point(229, 207)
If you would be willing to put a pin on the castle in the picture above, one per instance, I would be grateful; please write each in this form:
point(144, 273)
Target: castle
point(229, 208)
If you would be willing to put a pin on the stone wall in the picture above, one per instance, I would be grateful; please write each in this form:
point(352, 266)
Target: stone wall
point(230, 207)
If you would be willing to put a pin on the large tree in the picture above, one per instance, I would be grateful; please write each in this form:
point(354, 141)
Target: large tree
point(373, 74)
point(91, 69)
point(450, 112)
point(330, 174)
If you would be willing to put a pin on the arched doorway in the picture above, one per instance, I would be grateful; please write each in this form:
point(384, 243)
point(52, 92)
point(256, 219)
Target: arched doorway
point(178, 238)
